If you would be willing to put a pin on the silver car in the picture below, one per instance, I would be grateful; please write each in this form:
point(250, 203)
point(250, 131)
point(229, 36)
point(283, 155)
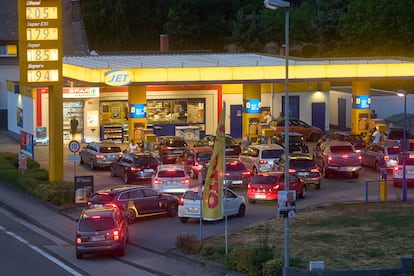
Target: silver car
point(171, 178)
point(262, 158)
point(100, 155)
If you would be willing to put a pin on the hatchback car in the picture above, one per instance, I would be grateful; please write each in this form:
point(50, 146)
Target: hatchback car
point(136, 201)
point(311, 133)
point(169, 148)
point(135, 166)
point(171, 178)
point(262, 158)
point(382, 155)
point(303, 166)
point(235, 174)
point(232, 147)
point(266, 186)
point(189, 207)
point(357, 140)
point(100, 155)
point(193, 159)
point(101, 230)
point(398, 171)
point(296, 141)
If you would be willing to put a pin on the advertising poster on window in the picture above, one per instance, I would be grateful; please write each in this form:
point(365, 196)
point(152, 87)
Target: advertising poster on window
point(83, 188)
point(41, 136)
point(26, 143)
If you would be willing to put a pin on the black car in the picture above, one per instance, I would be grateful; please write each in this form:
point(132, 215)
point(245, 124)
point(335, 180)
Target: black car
point(136, 201)
point(101, 230)
point(303, 166)
point(296, 141)
point(135, 166)
point(235, 174)
point(396, 134)
point(233, 148)
point(170, 147)
point(357, 140)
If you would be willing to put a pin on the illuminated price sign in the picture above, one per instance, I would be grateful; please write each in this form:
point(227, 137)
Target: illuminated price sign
point(33, 13)
point(42, 54)
point(42, 34)
point(43, 75)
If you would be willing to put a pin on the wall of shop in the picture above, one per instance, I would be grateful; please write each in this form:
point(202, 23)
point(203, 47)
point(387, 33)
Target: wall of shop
point(334, 96)
point(20, 113)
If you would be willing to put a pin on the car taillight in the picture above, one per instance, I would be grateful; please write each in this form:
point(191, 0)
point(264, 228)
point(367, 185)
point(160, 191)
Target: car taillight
point(246, 173)
point(360, 158)
point(292, 170)
point(99, 156)
point(78, 239)
point(276, 187)
point(329, 158)
point(345, 156)
point(185, 181)
point(157, 181)
point(263, 162)
point(315, 170)
point(135, 169)
point(397, 168)
point(116, 235)
point(181, 201)
point(386, 158)
point(249, 186)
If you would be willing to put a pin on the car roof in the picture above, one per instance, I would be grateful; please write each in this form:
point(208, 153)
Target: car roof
point(338, 143)
point(118, 189)
point(201, 149)
point(105, 211)
point(267, 146)
point(170, 166)
point(289, 133)
point(298, 156)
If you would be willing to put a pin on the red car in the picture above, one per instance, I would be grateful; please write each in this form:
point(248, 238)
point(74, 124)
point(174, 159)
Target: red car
point(193, 159)
point(266, 186)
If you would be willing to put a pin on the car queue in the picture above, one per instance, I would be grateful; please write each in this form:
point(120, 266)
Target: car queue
point(260, 171)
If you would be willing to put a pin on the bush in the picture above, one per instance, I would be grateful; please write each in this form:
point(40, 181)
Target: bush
point(188, 243)
point(273, 267)
point(249, 259)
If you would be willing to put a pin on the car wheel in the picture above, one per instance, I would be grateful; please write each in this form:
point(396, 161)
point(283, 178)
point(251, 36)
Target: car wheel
point(79, 255)
point(183, 219)
point(130, 216)
point(127, 180)
point(192, 174)
point(314, 137)
point(252, 201)
point(303, 192)
point(172, 209)
point(242, 210)
point(113, 172)
point(91, 164)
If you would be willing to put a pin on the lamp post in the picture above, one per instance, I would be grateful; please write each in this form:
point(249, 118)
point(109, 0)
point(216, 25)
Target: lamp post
point(273, 5)
point(402, 93)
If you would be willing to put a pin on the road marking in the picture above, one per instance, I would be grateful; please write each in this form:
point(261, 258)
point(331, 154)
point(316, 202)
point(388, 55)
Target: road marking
point(40, 251)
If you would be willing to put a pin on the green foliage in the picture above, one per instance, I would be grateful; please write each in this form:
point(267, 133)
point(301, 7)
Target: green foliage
point(34, 181)
point(249, 259)
point(273, 267)
point(188, 244)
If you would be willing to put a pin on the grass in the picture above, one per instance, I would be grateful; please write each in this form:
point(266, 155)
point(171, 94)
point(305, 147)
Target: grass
point(344, 236)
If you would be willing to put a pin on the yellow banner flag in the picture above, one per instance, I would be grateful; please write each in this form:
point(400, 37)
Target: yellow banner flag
point(213, 186)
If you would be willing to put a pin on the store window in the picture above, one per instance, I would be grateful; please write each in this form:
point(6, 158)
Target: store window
point(177, 111)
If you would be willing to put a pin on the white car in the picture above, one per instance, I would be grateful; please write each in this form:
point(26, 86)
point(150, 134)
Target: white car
point(398, 171)
point(189, 205)
point(171, 178)
point(262, 158)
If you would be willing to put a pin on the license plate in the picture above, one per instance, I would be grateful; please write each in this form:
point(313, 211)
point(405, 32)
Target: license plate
point(97, 238)
point(148, 170)
point(193, 210)
point(236, 181)
point(345, 169)
point(260, 196)
point(302, 173)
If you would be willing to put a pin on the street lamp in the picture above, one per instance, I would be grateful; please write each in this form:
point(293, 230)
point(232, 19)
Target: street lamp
point(273, 5)
point(402, 93)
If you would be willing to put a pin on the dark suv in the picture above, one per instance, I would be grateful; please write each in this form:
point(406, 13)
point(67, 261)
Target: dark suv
point(135, 166)
point(233, 148)
point(170, 147)
point(101, 230)
point(355, 139)
point(136, 201)
point(296, 141)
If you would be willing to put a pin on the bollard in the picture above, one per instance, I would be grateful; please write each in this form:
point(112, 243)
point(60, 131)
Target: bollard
point(383, 184)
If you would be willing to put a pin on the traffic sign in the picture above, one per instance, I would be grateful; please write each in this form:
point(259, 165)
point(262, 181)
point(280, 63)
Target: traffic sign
point(74, 158)
point(74, 146)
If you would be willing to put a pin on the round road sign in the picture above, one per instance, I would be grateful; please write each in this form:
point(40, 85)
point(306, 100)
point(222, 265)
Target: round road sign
point(74, 146)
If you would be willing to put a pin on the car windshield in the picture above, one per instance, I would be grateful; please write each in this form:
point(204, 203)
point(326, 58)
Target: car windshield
point(103, 197)
point(96, 224)
point(301, 163)
point(204, 156)
point(295, 139)
point(175, 143)
point(146, 160)
point(265, 179)
point(171, 173)
point(110, 149)
point(393, 150)
point(192, 195)
point(341, 149)
point(274, 153)
point(353, 138)
point(230, 141)
point(235, 166)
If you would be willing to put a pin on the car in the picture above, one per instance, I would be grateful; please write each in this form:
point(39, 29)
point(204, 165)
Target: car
point(296, 141)
point(233, 148)
point(189, 206)
point(100, 155)
point(337, 158)
point(357, 140)
point(171, 178)
point(265, 187)
point(396, 134)
point(169, 148)
point(194, 158)
point(303, 166)
point(135, 166)
point(136, 201)
point(311, 133)
point(381, 155)
point(101, 230)
point(262, 158)
point(398, 171)
point(236, 174)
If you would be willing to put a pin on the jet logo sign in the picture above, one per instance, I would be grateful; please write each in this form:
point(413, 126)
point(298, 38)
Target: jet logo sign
point(117, 78)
